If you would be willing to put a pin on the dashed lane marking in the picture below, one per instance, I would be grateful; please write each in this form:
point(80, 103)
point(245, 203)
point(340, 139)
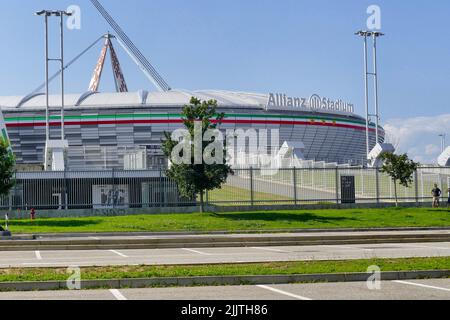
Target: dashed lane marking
point(118, 253)
point(422, 285)
point(196, 251)
point(117, 294)
point(38, 255)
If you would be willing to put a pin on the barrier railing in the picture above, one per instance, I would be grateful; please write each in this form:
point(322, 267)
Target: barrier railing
point(151, 188)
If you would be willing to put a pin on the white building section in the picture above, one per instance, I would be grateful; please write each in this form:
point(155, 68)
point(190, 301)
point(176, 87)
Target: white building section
point(56, 155)
point(444, 158)
point(375, 156)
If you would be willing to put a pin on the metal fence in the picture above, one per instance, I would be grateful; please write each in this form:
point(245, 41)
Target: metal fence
point(326, 185)
point(150, 188)
point(93, 190)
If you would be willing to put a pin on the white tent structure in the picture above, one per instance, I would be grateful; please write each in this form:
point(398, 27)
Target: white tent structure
point(374, 158)
point(444, 158)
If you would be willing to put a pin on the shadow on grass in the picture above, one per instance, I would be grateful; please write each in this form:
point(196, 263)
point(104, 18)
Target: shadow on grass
point(56, 223)
point(281, 216)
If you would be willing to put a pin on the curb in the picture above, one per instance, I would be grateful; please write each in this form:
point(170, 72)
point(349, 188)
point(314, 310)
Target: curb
point(266, 231)
point(223, 280)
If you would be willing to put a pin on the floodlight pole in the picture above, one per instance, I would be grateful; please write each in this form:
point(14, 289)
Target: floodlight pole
point(366, 84)
point(60, 14)
point(365, 34)
point(47, 111)
point(63, 136)
point(375, 74)
point(443, 136)
point(374, 35)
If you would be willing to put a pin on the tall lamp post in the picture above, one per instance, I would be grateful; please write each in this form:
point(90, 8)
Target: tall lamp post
point(443, 136)
point(374, 35)
point(61, 14)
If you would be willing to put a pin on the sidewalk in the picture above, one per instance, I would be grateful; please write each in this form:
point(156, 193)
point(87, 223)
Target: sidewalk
point(164, 241)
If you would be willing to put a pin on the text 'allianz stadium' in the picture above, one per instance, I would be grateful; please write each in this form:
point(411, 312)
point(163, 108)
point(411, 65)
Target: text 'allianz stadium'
point(103, 127)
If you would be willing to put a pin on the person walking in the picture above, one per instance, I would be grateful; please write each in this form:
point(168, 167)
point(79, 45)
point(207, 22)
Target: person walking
point(436, 196)
point(32, 214)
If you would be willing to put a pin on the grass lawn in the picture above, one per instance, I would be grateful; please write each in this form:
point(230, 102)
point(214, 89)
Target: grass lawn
point(270, 268)
point(229, 195)
point(257, 220)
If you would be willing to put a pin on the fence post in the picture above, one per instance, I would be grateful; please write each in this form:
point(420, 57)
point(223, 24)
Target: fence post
point(337, 184)
point(113, 185)
point(377, 184)
point(161, 189)
point(252, 196)
point(416, 187)
point(294, 172)
point(66, 200)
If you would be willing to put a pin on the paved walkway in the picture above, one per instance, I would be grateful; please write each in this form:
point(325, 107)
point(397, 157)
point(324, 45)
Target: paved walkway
point(305, 234)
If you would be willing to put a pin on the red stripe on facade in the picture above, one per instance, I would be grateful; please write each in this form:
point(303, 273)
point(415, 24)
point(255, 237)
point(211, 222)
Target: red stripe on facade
point(167, 121)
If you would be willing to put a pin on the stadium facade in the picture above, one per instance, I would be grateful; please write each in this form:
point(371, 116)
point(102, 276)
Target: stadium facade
point(102, 128)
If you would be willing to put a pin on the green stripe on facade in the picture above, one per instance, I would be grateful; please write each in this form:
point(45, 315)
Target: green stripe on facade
point(148, 115)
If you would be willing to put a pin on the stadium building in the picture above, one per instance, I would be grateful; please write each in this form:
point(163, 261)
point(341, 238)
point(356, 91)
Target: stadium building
point(101, 128)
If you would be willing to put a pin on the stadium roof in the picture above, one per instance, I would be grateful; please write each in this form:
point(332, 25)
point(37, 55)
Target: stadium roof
point(143, 98)
point(140, 98)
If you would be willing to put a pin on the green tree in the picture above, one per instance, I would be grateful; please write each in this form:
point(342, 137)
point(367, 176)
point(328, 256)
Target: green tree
point(7, 165)
point(400, 168)
point(194, 177)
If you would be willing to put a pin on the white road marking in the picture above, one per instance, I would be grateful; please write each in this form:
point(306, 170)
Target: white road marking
point(117, 294)
point(95, 238)
point(270, 249)
point(426, 247)
point(38, 255)
point(421, 285)
point(118, 253)
point(348, 247)
point(284, 293)
point(196, 251)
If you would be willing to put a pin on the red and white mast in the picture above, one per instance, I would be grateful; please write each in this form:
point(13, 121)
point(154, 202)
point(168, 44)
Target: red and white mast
point(119, 79)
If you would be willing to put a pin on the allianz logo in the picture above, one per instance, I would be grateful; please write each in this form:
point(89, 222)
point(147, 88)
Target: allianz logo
point(315, 102)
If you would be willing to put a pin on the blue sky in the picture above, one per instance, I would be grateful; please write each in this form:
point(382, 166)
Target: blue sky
point(297, 47)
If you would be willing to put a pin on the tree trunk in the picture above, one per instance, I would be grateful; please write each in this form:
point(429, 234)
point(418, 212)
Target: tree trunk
point(395, 192)
point(202, 204)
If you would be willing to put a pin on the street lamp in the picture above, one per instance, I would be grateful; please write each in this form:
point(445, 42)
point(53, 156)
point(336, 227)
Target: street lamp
point(443, 136)
point(374, 35)
point(61, 14)
point(366, 34)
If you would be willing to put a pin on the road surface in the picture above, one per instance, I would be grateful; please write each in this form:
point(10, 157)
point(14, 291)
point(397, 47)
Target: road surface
point(435, 289)
point(63, 258)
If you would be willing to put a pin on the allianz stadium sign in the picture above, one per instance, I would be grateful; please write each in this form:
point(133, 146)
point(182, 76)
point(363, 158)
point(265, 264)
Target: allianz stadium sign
point(314, 103)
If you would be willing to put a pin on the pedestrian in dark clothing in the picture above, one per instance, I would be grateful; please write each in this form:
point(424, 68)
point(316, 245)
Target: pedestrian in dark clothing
point(436, 196)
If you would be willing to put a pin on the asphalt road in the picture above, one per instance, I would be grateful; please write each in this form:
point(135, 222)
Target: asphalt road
point(435, 289)
point(219, 255)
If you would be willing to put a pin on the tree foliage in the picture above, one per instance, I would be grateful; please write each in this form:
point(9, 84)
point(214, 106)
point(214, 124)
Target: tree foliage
point(194, 179)
point(400, 168)
point(7, 165)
